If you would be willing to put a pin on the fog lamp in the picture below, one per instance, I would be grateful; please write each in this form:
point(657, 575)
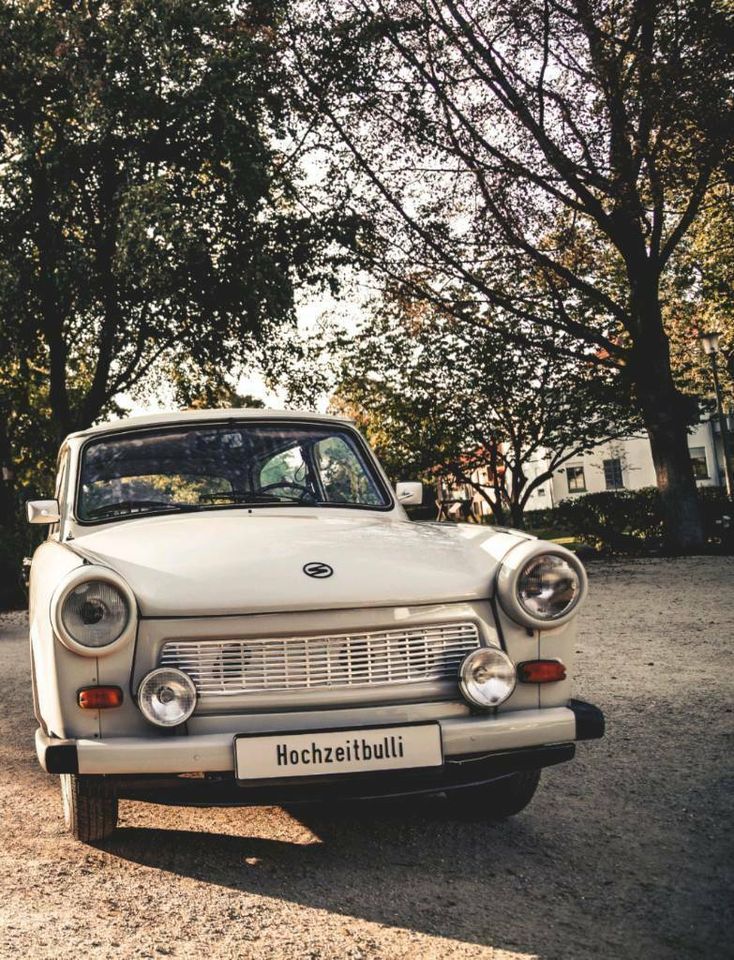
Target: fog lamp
point(487, 677)
point(167, 697)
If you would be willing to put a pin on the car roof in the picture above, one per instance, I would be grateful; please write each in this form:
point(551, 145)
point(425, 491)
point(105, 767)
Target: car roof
point(197, 416)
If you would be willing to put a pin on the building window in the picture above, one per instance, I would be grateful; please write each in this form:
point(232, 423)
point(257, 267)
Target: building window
point(699, 462)
point(576, 479)
point(613, 474)
point(540, 492)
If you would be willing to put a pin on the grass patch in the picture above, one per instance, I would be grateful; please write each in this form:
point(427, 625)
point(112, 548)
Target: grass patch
point(557, 535)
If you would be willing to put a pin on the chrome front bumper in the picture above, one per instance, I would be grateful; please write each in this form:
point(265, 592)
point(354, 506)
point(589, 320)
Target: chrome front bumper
point(462, 736)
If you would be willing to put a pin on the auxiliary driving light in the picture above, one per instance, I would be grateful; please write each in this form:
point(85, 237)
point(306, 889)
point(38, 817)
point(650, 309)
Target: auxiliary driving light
point(167, 697)
point(487, 677)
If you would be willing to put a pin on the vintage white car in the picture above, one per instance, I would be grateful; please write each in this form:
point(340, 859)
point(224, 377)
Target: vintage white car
point(232, 607)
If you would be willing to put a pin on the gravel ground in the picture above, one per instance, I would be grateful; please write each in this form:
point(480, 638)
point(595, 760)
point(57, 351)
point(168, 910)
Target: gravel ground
point(625, 852)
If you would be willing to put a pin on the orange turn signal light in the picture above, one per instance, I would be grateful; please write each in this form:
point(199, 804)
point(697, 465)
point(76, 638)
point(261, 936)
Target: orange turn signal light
point(541, 671)
point(99, 698)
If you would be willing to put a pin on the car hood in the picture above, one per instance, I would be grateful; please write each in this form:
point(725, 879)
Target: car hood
point(237, 562)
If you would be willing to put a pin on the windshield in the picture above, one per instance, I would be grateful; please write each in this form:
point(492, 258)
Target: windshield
point(219, 465)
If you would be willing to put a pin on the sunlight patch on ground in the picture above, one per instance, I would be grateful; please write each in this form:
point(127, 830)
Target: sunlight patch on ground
point(240, 822)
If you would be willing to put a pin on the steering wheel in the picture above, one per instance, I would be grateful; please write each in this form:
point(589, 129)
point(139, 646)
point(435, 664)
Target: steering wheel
point(304, 491)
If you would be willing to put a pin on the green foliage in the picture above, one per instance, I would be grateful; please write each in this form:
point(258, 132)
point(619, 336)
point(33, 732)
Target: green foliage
point(625, 521)
point(442, 396)
point(150, 225)
point(11, 584)
point(536, 520)
point(541, 161)
point(631, 521)
point(699, 296)
point(148, 214)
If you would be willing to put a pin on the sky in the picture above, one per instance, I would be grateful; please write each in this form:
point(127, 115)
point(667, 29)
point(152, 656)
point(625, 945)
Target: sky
point(310, 311)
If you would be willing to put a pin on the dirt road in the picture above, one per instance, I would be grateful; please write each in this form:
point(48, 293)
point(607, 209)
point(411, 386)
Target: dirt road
point(625, 852)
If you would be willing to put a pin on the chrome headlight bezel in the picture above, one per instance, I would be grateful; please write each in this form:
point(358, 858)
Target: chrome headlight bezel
point(86, 574)
point(160, 675)
point(502, 662)
point(511, 572)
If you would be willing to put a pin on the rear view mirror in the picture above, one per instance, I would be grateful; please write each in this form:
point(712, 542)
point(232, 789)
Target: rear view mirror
point(409, 493)
point(42, 511)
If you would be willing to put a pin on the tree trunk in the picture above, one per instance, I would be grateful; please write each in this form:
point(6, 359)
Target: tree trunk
point(8, 519)
point(518, 483)
point(518, 516)
point(683, 532)
point(667, 415)
point(498, 511)
point(494, 505)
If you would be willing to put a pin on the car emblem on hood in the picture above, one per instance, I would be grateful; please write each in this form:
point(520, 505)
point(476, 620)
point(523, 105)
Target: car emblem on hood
point(318, 570)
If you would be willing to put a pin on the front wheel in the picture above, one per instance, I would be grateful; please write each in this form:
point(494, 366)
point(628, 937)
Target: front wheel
point(90, 807)
point(498, 799)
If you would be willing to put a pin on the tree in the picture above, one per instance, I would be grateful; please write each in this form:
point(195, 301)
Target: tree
point(438, 396)
point(699, 295)
point(575, 142)
point(149, 220)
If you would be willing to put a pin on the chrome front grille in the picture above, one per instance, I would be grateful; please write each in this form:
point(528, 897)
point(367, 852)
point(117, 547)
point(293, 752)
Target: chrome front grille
point(231, 667)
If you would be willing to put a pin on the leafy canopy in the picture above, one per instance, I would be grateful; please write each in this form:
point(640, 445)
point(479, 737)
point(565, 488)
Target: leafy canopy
point(149, 209)
point(440, 396)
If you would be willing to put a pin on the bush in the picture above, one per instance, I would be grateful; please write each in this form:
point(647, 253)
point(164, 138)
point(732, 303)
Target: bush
point(13, 548)
point(718, 517)
point(623, 521)
point(540, 519)
point(631, 521)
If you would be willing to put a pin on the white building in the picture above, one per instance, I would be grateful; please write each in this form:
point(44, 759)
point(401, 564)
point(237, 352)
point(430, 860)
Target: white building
point(624, 464)
point(627, 465)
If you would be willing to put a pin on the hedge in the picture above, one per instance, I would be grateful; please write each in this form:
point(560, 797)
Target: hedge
point(631, 521)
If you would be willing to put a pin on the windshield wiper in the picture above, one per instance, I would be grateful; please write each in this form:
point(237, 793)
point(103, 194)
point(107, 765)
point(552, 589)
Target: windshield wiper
point(126, 507)
point(242, 497)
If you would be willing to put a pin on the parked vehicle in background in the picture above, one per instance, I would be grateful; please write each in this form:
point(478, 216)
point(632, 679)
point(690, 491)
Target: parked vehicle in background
point(232, 607)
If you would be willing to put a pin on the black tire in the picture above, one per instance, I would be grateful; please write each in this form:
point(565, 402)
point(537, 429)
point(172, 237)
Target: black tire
point(90, 807)
point(498, 799)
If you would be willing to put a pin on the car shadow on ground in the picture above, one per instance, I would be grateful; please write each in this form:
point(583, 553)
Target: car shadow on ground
point(406, 865)
point(393, 864)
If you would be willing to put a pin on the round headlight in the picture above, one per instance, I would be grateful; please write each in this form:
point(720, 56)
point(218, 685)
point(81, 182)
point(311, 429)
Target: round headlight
point(95, 613)
point(548, 586)
point(487, 677)
point(167, 697)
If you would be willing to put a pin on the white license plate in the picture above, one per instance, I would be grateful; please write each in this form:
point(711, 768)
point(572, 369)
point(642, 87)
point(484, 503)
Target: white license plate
point(276, 756)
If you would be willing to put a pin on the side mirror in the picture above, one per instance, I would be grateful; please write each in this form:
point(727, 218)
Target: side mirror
point(409, 493)
point(42, 511)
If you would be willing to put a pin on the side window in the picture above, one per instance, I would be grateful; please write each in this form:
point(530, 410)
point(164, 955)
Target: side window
point(287, 467)
point(343, 476)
